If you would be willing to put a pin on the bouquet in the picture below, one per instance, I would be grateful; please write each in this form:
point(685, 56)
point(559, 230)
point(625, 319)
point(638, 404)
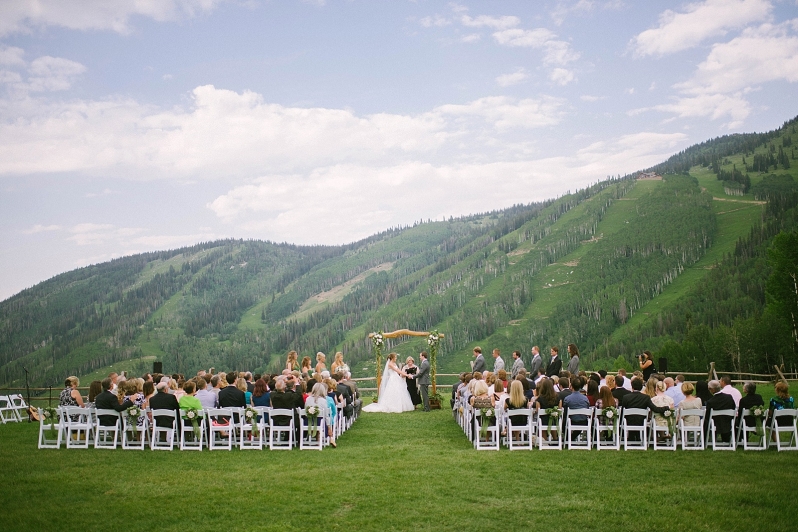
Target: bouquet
point(313, 419)
point(668, 415)
point(251, 417)
point(554, 413)
point(486, 414)
point(133, 415)
point(377, 340)
point(192, 414)
point(759, 413)
point(50, 416)
point(610, 413)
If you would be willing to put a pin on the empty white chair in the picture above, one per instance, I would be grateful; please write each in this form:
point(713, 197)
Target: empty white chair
point(691, 434)
point(7, 411)
point(19, 405)
point(784, 422)
point(107, 424)
point(134, 436)
point(163, 437)
point(191, 439)
point(628, 427)
point(716, 445)
point(747, 434)
point(79, 427)
point(309, 439)
point(51, 428)
point(520, 436)
point(607, 435)
point(579, 436)
point(281, 436)
point(550, 439)
point(221, 435)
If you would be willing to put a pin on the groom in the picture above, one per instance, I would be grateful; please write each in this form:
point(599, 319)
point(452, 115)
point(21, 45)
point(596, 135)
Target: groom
point(422, 377)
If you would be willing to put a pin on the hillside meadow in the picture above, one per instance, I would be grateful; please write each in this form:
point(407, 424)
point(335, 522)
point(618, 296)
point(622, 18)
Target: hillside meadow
point(392, 472)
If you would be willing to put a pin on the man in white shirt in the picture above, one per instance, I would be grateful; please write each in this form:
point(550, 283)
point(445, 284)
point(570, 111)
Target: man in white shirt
point(206, 397)
point(674, 390)
point(498, 361)
point(627, 382)
point(731, 390)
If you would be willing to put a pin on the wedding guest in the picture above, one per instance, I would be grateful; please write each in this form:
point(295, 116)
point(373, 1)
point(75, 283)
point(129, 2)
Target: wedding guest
point(565, 388)
point(719, 401)
point(279, 399)
point(515, 401)
point(95, 388)
point(592, 391)
point(324, 420)
point(749, 401)
point(175, 389)
point(545, 399)
point(106, 400)
point(230, 395)
point(261, 395)
point(528, 392)
point(690, 402)
point(626, 383)
point(338, 365)
point(573, 363)
point(291, 362)
point(189, 399)
point(481, 398)
point(674, 389)
point(660, 399)
point(358, 404)
point(241, 384)
point(651, 387)
point(575, 400)
point(636, 399)
point(205, 396)
point(346, 394)
point(499, 395)
point(726, 382)
point(702, 391)
point(502, 376)
point(603, 374)
point(605, 398)
point(163, 400)
point(70, 396)
point(490, 380)
point(321, 362)
point(782, 401)
point(148, 390)
point(332, 408)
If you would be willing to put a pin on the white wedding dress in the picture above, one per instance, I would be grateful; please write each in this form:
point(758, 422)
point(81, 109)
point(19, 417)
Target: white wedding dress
point(394, 397)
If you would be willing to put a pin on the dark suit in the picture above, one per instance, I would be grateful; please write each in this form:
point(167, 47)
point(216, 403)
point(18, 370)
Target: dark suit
point(749, 402)
point(231, 397)
point(282, 400)
point(619, 392)
point(343, 389)
point(723, 424)
point(479, 364)
point(108, 401)
point(640, 400)
point(164, 401)
point(554, 367)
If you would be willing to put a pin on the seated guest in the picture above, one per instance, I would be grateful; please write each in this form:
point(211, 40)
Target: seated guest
point(95, 388)
point(689, 403)
point(726, 383)
point(261, 395)
point(702, 391)
point(358, 403)
point(516, 401)
point(565, 388)
point(529, 393)
point(176, 389)
point(782, 401)
point(241, 384)
point(189, 400)
point(502, 376)
point(749, 401)
point(719, 401)
point(626, 382)
point(674, 389)
point(661, 399)
point(592, 391)
point(499, 395)
point(163, 400)
point(576, 400)
point(636, 399)
point(205, 396)
point(282, 400)
point(605, 398)
point(109, 401)
point(148, 390)
point(318, 398)
point(230, 396)
point(545, 399)
point(481, 399)
point(620, 388)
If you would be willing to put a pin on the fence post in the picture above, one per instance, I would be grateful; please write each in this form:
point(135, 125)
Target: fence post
point(781, 375)
point(50, 399)
point(711, 371)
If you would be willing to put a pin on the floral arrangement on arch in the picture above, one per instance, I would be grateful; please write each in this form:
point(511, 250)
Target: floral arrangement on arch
point(433, 340)
point(378, 341)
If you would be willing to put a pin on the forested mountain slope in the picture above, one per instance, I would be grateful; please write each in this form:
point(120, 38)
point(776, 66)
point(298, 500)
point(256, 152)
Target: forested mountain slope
point(689, 265)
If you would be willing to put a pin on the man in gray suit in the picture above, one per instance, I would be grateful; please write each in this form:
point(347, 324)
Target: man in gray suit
point(479, 361)
point(518, 364)
point(537, 363)
point(498, 362)
point(422, 377)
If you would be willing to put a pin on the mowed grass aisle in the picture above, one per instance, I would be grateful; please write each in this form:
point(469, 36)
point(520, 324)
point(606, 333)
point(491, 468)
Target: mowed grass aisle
point(392, 472)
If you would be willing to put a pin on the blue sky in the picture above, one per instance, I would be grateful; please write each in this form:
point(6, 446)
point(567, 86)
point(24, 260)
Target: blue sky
point(136, 126)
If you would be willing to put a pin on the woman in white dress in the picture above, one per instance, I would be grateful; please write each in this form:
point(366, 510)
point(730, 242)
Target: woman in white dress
point(394, 397)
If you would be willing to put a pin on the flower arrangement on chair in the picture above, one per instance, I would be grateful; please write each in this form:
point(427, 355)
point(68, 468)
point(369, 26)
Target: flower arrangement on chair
point(251, 416)
point(610, 413)
point(133, 414)
point(312, 413)
point(486, 414)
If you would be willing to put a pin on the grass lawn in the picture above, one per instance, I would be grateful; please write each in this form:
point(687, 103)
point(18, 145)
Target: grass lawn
point(392, 472)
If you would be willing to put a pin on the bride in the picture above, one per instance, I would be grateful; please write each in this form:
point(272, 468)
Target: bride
point(393, 397)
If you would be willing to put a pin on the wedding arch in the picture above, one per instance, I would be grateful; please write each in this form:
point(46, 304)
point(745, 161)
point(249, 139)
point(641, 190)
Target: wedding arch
point(433, 340)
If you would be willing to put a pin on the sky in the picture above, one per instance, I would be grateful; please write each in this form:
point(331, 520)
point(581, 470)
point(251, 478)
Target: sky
point(133, 126)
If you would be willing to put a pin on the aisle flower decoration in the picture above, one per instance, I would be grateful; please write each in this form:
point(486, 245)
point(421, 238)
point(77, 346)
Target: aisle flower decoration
point(486, 414)
point(313, 419)
point(554, 414)
point(671, 420)
point(192, 414)
point(51, 416)
point(433, 340)
point(759, 416)
point(610, 413)
point(133, 415)
point(251, 417)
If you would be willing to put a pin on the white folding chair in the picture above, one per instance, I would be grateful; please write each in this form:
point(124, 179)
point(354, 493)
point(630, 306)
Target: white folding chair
point(661, 437)
point(716, 445)
point(281, 436)
point(189, 440)
point(628, 428)
point(106, 436)
point(579, 436)
point(134, 436)
point(789, 427)
point(79, 427)
point(606, 433)
point(19, 405)
point(168, 432)
point(51, 430)
point(251, 432)
point(489, 442)
point(221, 436)
point(692, 436)
point(520, 436)
point(545, 439)
point(745, 432)
point(7, 411)
point(306, 439)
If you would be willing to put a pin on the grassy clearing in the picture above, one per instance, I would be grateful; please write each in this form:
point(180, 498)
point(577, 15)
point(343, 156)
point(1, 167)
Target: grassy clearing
point(392, 472)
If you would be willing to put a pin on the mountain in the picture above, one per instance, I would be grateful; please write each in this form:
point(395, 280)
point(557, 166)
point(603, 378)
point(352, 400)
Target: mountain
point(692, 261)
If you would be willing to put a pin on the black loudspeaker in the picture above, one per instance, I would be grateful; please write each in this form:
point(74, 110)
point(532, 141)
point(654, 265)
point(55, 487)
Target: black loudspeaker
point(663, 366)
point(157, 367)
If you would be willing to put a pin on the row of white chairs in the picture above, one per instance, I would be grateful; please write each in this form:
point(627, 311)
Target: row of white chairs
point(217, 428)
point(595, 431)
point(13, 408)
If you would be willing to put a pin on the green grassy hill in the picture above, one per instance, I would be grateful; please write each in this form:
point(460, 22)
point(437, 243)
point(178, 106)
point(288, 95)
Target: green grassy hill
point(678, 265)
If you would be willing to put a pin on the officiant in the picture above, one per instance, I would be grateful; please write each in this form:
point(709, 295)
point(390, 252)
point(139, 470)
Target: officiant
point(412, 386)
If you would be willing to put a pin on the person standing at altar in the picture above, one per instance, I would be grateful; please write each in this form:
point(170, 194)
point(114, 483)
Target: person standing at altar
point(498, 362)
point(412, 385)
point(423, 379)
point(555, 365)
point(479, 361)
point(518, 364)
point(537, 362)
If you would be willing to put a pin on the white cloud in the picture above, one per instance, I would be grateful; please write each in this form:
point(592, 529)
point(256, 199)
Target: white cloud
point(11, 55)
point(590, 98)
point(561, 76)
point(505, 80)
point(524, 38)
point(471, 37)
point(22, 16)
point(39, 228)
point(563, 9)
point(437, 21)
point(53, 73)
point(700, 21)
point(498, 23)
point(714, 106)
point(503, 112)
